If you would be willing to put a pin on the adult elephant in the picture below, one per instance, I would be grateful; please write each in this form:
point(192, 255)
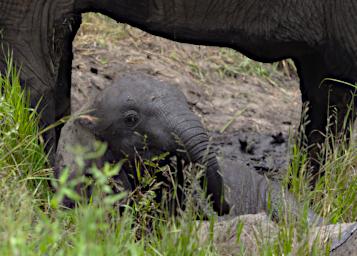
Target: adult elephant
point(320, 36)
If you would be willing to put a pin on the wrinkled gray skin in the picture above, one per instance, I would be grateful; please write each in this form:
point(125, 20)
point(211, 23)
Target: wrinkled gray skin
point(250, 193)
point(139, 112)
point(320, 36)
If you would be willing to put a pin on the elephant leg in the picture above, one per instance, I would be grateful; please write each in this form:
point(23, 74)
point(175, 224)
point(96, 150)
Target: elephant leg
point(63, 91)
point(315, 98)
point(43, 99)
point(64, 77)
point(47, 111)
point(342, 105)
point(328, 105)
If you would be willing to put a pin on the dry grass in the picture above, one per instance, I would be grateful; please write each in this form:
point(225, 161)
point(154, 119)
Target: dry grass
point(205, 64)
point(100, 30)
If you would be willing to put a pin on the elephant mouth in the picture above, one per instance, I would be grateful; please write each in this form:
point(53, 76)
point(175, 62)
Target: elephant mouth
point(158, 163)
point(158, 158)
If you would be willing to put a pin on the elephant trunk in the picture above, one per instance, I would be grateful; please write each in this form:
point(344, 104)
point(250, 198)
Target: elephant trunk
point(192, 136)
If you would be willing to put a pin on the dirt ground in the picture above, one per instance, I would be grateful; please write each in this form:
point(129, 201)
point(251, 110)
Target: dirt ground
point(249, 117)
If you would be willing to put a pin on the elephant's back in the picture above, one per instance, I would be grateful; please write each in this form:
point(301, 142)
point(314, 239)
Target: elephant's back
point(246, 190)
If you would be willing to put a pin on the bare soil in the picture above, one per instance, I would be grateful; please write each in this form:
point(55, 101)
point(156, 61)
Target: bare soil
point(250, 116)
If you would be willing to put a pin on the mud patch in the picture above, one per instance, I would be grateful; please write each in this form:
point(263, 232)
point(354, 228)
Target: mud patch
point(264, 153)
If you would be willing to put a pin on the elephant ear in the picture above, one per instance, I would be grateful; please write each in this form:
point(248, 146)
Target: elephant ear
point(88, 121)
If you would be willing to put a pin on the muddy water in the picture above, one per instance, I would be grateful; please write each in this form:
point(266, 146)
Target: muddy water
point(265, 153)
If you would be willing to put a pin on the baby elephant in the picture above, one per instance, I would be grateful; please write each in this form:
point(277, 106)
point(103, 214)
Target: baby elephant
point(139, 112)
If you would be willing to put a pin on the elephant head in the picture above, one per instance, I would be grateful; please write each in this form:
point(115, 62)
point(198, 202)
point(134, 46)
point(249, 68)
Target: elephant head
point(140, 112)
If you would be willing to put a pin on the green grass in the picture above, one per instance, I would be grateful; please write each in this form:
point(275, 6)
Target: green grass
point(32, 223)
point(21, 154)
point(335, 194)
point(334, 198)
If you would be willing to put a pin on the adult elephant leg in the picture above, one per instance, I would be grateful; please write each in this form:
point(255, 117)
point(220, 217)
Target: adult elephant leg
point(322, 98)
point(45, 103)
point(63, 93)
point(315, 97)
point(342, 104)
point(38, 34)
point(64, 78)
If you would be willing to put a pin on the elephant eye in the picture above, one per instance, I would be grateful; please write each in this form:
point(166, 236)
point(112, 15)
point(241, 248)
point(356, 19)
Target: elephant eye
point(131, 118)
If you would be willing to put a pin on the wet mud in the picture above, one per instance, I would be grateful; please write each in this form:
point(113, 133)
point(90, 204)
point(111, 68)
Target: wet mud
point(266, 154)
